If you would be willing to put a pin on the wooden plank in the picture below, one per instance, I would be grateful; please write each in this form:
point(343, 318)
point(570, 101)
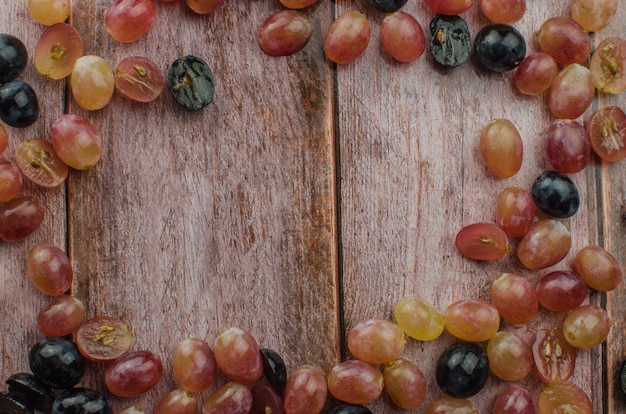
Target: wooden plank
point(412, 177)
point(19, 299)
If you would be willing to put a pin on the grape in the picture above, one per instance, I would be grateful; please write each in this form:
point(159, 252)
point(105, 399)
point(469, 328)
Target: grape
point(515, 298)
point(177, 401)
point(347, 37)
point(501, 148)
point(61, 316)
point(555, 358)
point(12, 404)
point(4, 139)
point(499, 47)
point(402, 37)
point(20, 217)
point(49, 12)
point(571, 92)
point(349, 409)
point(387, 6)
point(274, 369)
point(514, 400)
point(515, 211)
point(266, 400)
point(297, 4)
point(284, 33)
point(563, 39)
point(376, 341)
point(139, 79)
point(306, 391)
point(462, 370)
point(57, 50)
point(593, 15)
point(204, 6)
point(128, 20)
point(556, 194)
point(622, 378)
point(448, 405)
point(56, 362)
point(567, 146)
point(92, 82)
point(598, 268)
point(134, 409)
point(133, 374)
point(40, 164)
point(535, 73)
point(561, 291)
point(11, 181)
point(238, 355)
point(76, 141)
point(19, 106)
point(194, 365)
point(563, 398)
point(405, 383)
point(607, 65)
point(546, 243)
point(27, 387)
point(586, 326)
point(103, 338)
point(190, 81)
point(49, 269)
point(450, 40)
point(503, 11)
point(607, 133)
point(232, 398)
point(482, 241)
point(449, 7)
point(355, 382)
point(81, 400)
point(510, 358)
point(13, 57)
point(472, 320)
point(419, 319)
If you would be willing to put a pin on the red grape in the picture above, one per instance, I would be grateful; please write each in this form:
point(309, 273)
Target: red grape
point(61, 316)
point(514, 400)
point(284, 33)
point(546, 243)
point(449, 7)
point(586, 326)
point(482, 241)
point(561, 291)
point(129, 20)
point(40, 164)
point(232, 398)
point(567, 144)
point(347, 37)
point(535, 74)
point(563, 398)
point(177, 402)
point(297, 4)
point(11, 181)
point(501, 148)
point(402, 37)
point(76, 141)
point(355, 382)
point(50, 269)
point(449, 405)
point(103, 338)
point(607, 133)
point(405, 383)
point(510, 358)
point(139, 79)
point(204, 6)
point(608, 65)
point(4, 139)
point(598, 268)
point(562, 38)
point(238, 355)
point(472, 320)
point(515, 211)
point(515, 298)
point(376, 341)
point(133, 374)
point(194, 365)
point(306, 391)
point(20, 217)
point(503, 11)
point(571, 92)
point(593, 15)
point(57, 50)
point(555, 358)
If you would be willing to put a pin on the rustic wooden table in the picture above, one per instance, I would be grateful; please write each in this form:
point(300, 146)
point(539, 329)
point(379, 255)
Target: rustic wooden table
point(306, 198)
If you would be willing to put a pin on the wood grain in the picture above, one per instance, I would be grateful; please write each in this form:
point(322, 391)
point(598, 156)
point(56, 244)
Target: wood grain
point(306, 198)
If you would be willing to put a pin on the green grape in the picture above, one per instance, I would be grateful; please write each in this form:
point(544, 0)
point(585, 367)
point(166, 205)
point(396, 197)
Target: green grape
point(419, 319)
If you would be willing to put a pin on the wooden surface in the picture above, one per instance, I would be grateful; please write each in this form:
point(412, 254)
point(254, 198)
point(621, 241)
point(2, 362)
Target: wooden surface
point(304, 199)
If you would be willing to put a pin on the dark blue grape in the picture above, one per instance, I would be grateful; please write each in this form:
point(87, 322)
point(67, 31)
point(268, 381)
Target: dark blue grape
point(462, 369)
point(27, 387)
point(19, 106)
point(10, 404)
point(499, 47)
point(57, 362)
point(274, 369)
point(622, 378)
point(556, 194)
point(349, 409)
point(81, 401)
point(191, 82)
point(387, 6)
point(13, 57)
point(450, 40)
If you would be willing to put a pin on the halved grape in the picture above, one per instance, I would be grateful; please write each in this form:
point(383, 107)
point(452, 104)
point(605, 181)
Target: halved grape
point(555, 358)
point(40, 164)
point(450, 40)
point(11, 181)
point(49, 12)
point(347, 37)
point(608, 65)
point(284, 33)
point(57, 50)
point(76, 141)
point(134, 373)
point(20, 217)
point(501, 148)
point(482, 241)
point(103, 338)
point(128, 20)
point(139, 78)
point(266, 400)
point(607, 133)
